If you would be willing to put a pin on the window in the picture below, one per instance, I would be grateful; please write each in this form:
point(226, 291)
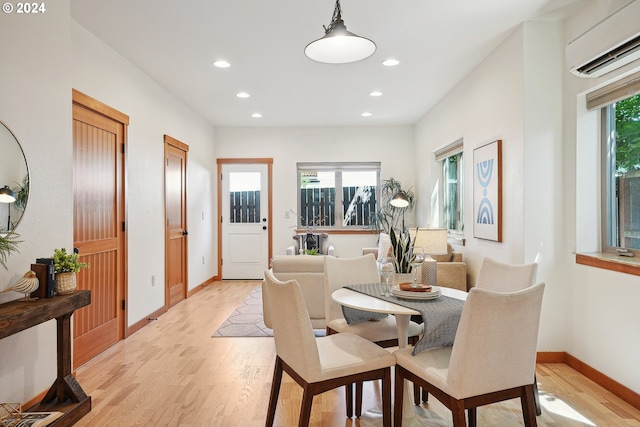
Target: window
point(337, 195)
point(451, 157)
point(620, 118)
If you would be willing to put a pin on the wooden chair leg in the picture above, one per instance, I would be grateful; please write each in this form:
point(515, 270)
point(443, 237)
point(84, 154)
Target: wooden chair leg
point(349, 398)
point(416, 394)
point(305, 409)
point(458, 415)
point(359, 399)
point(386, 398)
point(473, 417)
point(399, 395)
point(528, 406)
point(275, 391)
point(536, 395)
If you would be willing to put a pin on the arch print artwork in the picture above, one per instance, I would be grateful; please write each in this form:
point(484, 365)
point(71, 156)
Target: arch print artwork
point(487, 191)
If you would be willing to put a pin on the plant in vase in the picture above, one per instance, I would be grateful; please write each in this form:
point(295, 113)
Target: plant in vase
point(66, 265)
point(390, 219)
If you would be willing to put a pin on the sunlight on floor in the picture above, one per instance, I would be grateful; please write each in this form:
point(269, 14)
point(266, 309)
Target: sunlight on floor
point(557, 406)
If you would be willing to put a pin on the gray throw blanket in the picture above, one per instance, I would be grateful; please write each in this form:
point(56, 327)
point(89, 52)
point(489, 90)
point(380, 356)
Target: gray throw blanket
point(440, 315)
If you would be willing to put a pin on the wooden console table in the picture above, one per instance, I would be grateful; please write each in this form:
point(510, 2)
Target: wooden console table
point(65, 395)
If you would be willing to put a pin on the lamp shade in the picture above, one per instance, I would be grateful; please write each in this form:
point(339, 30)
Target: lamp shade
point(7, 195)
point(432, 240)
point(339, 46)
point(399, 200)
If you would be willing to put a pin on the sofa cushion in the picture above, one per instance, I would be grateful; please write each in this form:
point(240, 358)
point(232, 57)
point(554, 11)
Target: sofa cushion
point(448, 257)
point(297, 264)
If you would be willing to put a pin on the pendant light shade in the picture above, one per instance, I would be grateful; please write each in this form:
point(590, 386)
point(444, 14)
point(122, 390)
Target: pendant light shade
point(399, 200)
point(339, 46)
point(7, 195)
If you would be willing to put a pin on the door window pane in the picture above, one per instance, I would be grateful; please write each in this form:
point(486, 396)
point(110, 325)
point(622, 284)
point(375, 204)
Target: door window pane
point(244, 197)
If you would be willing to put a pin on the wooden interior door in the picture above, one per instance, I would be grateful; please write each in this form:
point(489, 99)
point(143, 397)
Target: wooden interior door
point(99, 134)
point(175, 178)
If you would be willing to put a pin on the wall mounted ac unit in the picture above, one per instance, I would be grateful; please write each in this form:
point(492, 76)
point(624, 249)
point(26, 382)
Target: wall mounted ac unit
point(609, 45)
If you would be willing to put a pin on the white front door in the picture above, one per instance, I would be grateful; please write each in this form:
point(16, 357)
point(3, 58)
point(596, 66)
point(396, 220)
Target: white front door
point(245, 221)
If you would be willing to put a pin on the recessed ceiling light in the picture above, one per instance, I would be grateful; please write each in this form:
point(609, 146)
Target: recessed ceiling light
point(221, 64)
point(242, 95)
point(366, 114)
point(390, 62)
point(375, 93)
point(256, 115)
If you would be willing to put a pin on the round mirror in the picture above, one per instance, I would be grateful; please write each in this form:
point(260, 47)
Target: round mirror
point(14, 180)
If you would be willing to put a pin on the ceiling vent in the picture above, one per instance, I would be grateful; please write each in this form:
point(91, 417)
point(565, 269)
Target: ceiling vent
point(612, 43)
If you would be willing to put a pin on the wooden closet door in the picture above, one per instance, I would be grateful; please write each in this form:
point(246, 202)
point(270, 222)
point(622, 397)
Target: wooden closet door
point(98, 151)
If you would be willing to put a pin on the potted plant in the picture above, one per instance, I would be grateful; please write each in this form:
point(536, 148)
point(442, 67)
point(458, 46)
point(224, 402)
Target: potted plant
point(66, 265)
point(8, 244)
point(390, 219)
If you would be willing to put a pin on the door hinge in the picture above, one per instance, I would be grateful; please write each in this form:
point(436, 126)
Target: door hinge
point(124, 305)
point(123, 148)
point(124, 227)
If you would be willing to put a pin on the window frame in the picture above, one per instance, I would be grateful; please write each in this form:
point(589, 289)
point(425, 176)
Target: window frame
point(454, 149)
point(338, 168)
point(604, 99)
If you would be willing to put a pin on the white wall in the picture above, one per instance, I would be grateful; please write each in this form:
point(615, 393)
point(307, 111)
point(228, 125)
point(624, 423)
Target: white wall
point(485, 106)
point(523, 94)
point(35, 104)
point(46, 57)
point(602, 304)
point(101, 73)
point(390, 145)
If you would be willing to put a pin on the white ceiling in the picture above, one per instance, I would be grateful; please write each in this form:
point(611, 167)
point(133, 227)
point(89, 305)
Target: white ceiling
point(437, 42)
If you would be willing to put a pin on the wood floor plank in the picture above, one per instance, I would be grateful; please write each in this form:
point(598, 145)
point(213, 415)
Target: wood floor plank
point(173, 373)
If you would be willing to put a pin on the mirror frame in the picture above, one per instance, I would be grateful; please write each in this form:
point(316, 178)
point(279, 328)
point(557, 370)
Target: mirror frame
point(19, 186)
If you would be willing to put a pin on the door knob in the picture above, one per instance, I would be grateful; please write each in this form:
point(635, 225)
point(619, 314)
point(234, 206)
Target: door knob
point(185, 232)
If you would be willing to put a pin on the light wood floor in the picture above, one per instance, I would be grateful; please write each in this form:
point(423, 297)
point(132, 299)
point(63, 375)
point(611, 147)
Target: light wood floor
point(173, 373)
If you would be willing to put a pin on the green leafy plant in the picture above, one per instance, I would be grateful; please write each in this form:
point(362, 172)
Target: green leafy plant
point(8, 244)
point(390, 220)
point(22, 194)
point(64, 262)
point(313, 251)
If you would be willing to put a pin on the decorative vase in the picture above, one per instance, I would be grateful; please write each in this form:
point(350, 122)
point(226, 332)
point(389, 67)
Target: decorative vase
point(402, 278)
point(65, 283)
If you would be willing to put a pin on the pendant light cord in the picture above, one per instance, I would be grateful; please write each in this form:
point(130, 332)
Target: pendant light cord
point(337, 15)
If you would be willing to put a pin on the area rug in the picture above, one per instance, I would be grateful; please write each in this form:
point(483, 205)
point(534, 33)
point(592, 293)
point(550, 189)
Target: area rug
point(247, 320)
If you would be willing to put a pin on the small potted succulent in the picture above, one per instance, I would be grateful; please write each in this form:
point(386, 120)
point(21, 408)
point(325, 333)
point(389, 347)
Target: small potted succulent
point(66, 265)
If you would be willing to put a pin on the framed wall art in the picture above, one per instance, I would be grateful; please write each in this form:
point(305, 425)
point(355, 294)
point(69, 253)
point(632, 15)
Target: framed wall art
point(487, 191)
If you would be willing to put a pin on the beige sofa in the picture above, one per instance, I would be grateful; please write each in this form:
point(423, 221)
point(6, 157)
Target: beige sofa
point(452, 271)
point(308, 270)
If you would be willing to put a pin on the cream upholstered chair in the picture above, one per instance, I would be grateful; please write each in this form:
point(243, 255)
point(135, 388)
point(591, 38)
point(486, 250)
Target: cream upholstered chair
point(493, 357)
point(340, 272)
point(319, 364)
point(503, 277)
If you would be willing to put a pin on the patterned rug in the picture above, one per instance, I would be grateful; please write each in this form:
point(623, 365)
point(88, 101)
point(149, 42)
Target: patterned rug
point(247, 320)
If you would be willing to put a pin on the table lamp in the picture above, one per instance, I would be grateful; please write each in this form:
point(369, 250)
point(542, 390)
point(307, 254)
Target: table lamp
point(434, 242)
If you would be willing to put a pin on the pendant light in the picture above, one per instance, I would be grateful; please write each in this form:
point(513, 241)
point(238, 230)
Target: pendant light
point(339, 46)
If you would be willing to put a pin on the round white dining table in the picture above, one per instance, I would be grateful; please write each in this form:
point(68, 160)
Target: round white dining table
point(412, 415)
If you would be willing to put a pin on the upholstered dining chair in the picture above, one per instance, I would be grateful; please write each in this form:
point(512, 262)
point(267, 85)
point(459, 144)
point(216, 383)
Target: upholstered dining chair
point(319, 364)
point(504, 277)
point(493, 357)
point(341, 272)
